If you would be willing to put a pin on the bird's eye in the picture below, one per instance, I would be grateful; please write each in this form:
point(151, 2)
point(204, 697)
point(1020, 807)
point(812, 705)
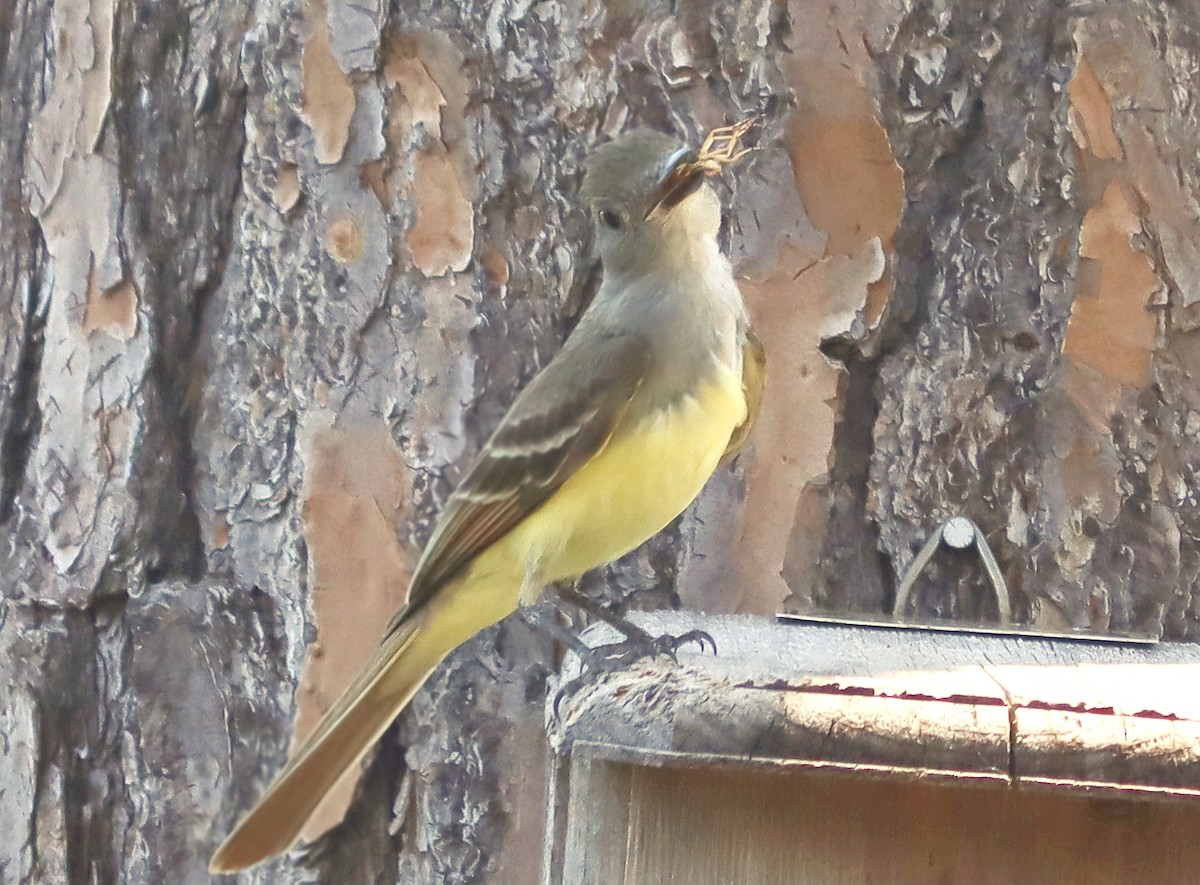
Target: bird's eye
point(611, 219)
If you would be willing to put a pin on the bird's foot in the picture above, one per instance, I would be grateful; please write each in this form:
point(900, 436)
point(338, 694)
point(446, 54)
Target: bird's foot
point(638, 642)
point(637, 646)
point(645, 645)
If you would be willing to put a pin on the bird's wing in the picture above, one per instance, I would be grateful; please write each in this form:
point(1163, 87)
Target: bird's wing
point(559, 422)
point(754, 381)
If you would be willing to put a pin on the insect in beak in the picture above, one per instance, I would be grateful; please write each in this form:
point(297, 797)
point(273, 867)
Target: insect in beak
point(685, 170)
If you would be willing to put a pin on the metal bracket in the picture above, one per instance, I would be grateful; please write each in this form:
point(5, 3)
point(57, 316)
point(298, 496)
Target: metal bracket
point(957, 533)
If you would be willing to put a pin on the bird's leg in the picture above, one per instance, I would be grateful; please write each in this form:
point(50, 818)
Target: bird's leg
point(638, 643)
point(571, 594)
point(542, 621)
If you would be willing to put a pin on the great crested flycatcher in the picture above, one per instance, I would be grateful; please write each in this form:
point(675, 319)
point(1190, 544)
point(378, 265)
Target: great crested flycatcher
point(611, 441)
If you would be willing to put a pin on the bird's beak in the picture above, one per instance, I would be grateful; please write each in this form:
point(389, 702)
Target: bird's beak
point(682, 177)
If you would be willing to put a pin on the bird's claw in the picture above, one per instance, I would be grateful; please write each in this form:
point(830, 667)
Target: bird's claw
point(631, 650)
point(635, 648)
point(669, 645)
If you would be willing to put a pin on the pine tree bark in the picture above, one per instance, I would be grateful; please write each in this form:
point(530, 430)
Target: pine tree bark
point(269, 272)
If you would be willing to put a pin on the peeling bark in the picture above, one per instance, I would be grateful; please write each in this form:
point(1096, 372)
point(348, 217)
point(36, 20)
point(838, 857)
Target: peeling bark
point(270, 272)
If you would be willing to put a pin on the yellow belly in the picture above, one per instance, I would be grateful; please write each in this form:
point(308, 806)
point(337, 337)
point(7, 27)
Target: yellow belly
point(646, 476)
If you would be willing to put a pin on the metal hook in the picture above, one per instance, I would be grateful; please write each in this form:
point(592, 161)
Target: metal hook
point(958, 533)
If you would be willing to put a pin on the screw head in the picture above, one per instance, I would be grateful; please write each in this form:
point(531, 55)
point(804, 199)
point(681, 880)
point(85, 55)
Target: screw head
point(958, 532)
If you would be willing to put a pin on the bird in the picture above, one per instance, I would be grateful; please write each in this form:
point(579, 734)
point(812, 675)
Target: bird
point(658, 384)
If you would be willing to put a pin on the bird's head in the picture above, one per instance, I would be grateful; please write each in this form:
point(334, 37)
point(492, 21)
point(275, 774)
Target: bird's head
point(645, 190)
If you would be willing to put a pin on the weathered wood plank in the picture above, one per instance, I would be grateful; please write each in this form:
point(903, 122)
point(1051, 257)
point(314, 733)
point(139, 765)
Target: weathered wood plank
point(899, 704)
point(599, 815)
point(701, 827)
point(1130, 755)
point(704, 771)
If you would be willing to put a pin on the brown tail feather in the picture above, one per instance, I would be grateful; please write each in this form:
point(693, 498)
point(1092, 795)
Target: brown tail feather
point(342, 737)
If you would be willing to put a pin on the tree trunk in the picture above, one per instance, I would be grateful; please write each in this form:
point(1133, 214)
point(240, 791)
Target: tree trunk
point(269, 273)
